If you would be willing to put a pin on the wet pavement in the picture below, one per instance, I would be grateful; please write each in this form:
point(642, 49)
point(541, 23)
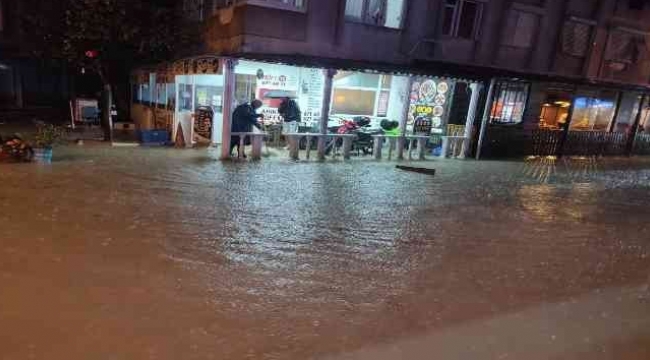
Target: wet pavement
point(120, 253)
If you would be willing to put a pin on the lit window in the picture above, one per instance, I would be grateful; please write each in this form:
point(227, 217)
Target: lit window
point(509, 102)
point(593, 113)
point(521, 28)
point(462, 18)
point(386, 13)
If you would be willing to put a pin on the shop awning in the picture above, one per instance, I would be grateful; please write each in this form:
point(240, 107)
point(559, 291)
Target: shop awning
point(467, 72)
point(349, 65)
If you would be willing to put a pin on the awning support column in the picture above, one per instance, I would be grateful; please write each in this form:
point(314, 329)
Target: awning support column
point(401, 140)
point(228, 102)
point(471, 116)
point(633, 130)
point(325, 111)
point(486, 118)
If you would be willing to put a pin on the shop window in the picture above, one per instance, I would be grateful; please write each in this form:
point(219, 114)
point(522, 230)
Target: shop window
point(521, 28)
point(161, 95)
point(354, 93)
point(462, 18)
point(627, 112)
point(386, 13)
point(509, 102)
point(245, 88)
point(353, 102)
point(575, 38)
point(555, 111)
point(185, 97)
point(593, 113)
point(171, 96)
point(208, 96)
point(361, 94)
point(145, 94)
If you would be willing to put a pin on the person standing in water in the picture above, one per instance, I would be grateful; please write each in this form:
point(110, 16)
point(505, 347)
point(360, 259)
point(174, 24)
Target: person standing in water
point(243, 119)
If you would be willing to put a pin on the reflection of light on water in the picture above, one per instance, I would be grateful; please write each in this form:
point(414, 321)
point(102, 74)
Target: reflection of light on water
point(540, 168)
point(539, 200)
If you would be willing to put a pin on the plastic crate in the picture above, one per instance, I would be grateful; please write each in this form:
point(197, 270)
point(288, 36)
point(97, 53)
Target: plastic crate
point(154, 137)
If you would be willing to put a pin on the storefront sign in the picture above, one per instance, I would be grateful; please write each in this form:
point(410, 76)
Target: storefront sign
point(208, 65)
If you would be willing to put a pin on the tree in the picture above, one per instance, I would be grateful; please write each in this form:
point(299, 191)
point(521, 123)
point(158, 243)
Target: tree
point(107, 37)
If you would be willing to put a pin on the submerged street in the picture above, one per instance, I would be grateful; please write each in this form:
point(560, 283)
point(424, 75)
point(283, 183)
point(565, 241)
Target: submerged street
point(119, 253)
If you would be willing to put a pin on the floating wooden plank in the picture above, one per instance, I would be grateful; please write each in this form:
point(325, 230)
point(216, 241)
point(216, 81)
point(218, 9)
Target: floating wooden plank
point(418, 170)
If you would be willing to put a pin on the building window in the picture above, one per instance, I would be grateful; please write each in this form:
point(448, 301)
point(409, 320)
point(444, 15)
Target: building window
point(387, 13)
point(281, 4)
point(575, 38)
point(520, 29)
point(462, 18)
point(594, 112)
point(624, 47)
point(509, 102)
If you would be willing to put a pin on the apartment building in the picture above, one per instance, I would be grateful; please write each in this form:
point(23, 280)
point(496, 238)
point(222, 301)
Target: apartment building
point(538, 77)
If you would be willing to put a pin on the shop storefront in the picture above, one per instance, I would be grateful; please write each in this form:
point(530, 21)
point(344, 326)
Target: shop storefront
point(187, 99)
point(562, 119)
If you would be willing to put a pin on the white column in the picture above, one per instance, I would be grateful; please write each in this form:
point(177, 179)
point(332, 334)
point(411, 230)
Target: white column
point(228, 101)
point(471, 116)
point(486, 118)
point(325, 111)
point(401, 141)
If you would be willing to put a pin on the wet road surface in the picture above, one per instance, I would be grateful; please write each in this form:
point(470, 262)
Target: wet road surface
point(169, 254)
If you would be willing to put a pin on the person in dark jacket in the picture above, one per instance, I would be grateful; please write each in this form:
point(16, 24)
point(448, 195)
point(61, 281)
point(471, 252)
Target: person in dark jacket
point(290, 112)
point(243, 119)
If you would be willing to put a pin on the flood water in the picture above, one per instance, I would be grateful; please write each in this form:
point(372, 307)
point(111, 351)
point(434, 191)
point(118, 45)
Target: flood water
point(116, 253)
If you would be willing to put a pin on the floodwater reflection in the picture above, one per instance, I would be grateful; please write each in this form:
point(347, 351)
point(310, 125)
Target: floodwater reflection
point(149, 253)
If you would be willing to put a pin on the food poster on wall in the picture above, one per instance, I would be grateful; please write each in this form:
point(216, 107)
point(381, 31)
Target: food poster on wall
point(310, 95)
point(203, 125)
point(429, 101)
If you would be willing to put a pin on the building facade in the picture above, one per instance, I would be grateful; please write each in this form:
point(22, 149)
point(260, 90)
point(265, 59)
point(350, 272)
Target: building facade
point(523, 77)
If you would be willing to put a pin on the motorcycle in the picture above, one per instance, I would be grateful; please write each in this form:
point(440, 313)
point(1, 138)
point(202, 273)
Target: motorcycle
point(359, 126)
point(15, 149)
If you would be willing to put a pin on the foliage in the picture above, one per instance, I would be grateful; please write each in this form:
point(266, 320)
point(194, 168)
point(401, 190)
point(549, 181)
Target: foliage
point(122, 32)
point(118, 34)
point(48, 135)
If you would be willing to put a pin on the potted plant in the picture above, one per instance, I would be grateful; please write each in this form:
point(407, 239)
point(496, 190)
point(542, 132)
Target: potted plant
point(47, 135)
